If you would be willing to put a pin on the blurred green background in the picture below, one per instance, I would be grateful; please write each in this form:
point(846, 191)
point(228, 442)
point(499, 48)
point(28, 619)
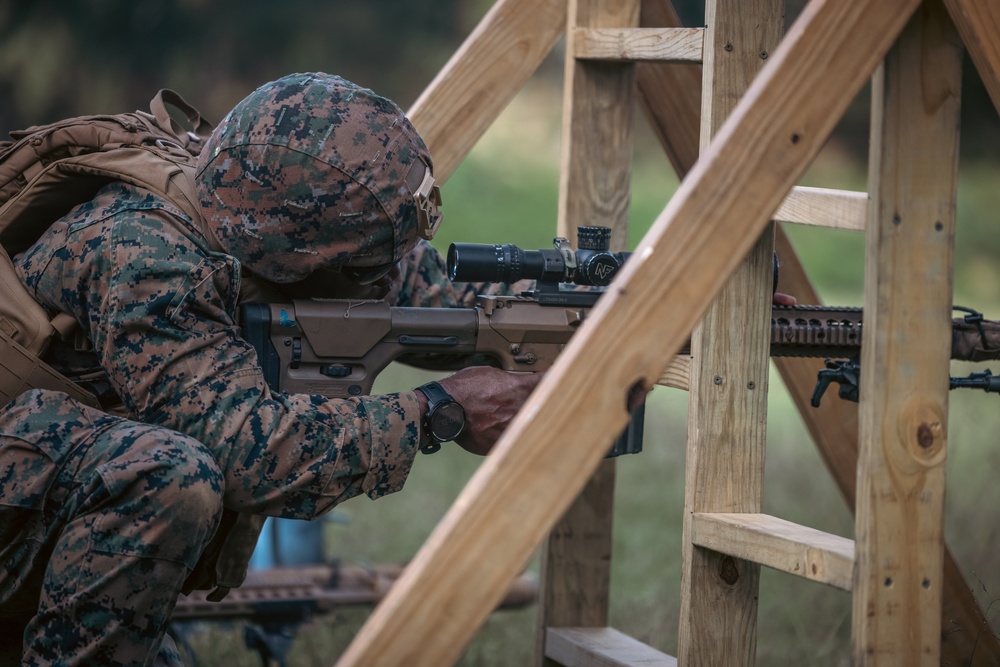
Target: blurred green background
point(59, 59)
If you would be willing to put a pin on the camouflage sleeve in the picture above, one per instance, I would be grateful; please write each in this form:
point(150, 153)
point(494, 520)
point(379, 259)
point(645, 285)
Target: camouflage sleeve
point(160, 312)
point(424, 282)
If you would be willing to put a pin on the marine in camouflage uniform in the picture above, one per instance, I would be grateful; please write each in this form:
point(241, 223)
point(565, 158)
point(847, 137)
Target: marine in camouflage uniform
point(104, 519)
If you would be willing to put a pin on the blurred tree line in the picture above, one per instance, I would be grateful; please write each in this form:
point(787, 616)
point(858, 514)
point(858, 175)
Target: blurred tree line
point(59, 59)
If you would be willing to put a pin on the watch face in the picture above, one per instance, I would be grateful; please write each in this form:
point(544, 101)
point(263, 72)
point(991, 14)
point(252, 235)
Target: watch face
point(447, 421)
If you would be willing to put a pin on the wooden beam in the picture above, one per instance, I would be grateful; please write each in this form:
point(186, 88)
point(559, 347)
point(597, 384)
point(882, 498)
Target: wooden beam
point(540, 464)
point(483, 76)
point(575, 569)
point(730, 363)
point(598, 104)
point(670, 95)
point(594, 189)
point(822, 207)
point(978, 22)
point(779, 544)
point(601, 647)
point(660, 44)
point(905, 354)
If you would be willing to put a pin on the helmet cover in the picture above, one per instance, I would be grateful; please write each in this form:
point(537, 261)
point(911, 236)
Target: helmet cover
point(314, 172)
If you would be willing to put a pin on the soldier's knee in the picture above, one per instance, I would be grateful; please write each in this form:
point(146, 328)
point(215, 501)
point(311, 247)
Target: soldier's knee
point(191, 482)
point(166, 491)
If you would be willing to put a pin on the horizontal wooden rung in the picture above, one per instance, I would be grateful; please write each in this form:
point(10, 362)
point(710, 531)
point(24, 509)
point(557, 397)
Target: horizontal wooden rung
point(601, 647)
point(631, 44)
point(824, 207)
point(777, 543)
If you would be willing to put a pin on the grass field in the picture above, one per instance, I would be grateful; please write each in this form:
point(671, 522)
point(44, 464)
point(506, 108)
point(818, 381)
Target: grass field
point(506, 193)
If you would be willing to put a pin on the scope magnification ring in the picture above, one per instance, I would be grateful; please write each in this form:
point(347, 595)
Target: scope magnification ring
point(510, 263)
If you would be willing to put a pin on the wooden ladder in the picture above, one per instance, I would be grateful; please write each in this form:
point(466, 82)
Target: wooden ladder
point(897, 569)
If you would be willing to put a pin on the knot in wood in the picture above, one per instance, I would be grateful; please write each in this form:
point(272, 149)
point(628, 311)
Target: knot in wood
point(728, 571)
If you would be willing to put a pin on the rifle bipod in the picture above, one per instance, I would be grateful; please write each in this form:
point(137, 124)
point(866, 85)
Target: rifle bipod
point(847, 373)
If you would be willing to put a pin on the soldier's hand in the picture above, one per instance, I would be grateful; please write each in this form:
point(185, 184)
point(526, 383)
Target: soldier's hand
point(491, 397)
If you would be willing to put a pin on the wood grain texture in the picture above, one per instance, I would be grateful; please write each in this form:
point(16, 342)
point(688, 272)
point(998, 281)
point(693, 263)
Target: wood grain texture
point(575, 568)
point(905, 356)
point(670, 94)
point(823, 207)
point(602, 647)
point(483, 76)
point(595, 186)
point(780, 544)
point(542, 463)
point(661, 44)
point(598, 106)
point(978, 23)
point(730, 355)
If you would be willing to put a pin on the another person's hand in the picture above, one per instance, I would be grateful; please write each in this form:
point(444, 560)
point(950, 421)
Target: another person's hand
point(491, 397)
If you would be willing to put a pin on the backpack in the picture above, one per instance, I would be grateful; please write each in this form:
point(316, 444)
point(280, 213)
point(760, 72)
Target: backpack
point(47, 170)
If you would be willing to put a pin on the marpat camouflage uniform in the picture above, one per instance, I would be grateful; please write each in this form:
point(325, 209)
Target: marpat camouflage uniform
point(104, 518)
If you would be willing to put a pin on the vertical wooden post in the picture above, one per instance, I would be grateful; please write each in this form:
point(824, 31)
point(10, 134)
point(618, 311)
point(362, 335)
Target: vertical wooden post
point(905, 362)
point(729, 373)
point(594, 189)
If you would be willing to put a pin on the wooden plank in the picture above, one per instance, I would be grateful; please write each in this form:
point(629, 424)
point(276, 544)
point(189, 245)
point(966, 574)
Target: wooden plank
point(670, 97)
point(823, 207)
point(575, 568)
point(978, 23)
point(483, 76)
point(670, 94)
point(660, 44)
point(598, 105)
point(730, 351)
point(601, 647)
point(913, 176)
point(557, 441)
point(595, 187)
point(779, 544)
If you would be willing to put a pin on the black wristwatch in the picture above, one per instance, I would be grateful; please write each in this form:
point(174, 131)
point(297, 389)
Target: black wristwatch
point(445, 416)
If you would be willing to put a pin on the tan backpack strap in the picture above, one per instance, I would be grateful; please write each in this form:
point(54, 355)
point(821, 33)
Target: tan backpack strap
point(21, 318)
point(21, 370)
point(65, 325)
point(158, 107)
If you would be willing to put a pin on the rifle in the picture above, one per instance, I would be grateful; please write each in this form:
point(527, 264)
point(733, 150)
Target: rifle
point(337, 347)
point(274, 602)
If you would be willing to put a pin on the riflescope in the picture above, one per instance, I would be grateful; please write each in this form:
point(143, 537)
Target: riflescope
point(592, 263)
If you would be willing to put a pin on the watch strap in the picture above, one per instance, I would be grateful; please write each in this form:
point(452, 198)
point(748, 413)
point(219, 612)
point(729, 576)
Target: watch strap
point(435, 395)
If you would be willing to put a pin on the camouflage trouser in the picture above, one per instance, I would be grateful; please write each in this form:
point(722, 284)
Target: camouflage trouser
point(101, 520)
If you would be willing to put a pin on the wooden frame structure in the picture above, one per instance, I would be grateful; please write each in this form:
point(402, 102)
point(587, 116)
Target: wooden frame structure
point(769, 104)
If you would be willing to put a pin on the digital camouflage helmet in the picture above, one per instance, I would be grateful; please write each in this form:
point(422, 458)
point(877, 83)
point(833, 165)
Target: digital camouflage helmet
point(311, 173)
